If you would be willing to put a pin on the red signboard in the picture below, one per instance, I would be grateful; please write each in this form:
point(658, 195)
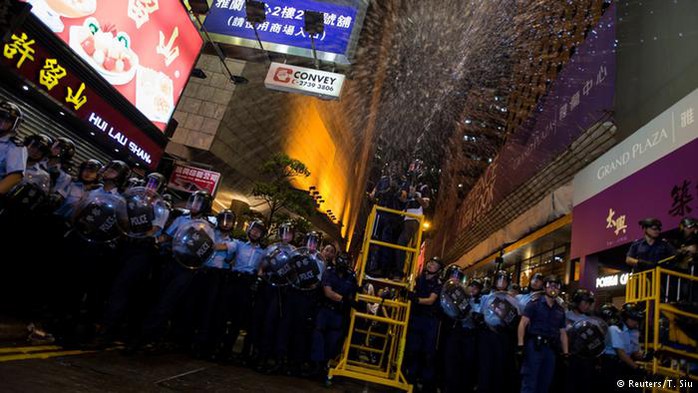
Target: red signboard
point(190, 179)
point(43, 68)
point(146, 49)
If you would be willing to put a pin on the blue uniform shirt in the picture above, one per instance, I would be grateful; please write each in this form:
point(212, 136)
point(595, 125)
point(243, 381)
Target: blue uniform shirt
point(545, 321)
point(573, 317)
point(219, 259)
point(62, 184)
point(424, 288)
point(475, 307)
point(74, 193)
point(345, 286)
point(525, 298)
point(176, 224)
point(13, 158)
point(622, 338)
point(248, 256)
point(659, 250)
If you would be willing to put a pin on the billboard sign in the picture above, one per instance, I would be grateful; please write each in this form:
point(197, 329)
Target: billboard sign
point(146, 49)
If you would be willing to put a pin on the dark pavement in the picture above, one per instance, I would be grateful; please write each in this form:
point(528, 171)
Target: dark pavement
point(112, 371)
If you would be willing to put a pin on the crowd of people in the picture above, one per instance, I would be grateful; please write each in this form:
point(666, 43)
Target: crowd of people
point(108, 260)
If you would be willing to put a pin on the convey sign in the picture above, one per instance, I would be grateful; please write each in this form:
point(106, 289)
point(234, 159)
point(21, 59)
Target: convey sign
point(303, 80)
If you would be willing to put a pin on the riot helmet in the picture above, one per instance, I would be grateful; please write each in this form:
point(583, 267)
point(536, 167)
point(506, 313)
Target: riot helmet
point(199, 203)
point(582, 295)
point(286, 232)
point(63, 149)
point(610, 314)
point(552, 285)
point(89, 171)
point(475, 286)
point(116, 171)
point(434, 265)
point(536, 282)
point(687, 223)
point(312, 241)
point(343, 262)
point(38, 146)
point(501, 280)
point(454, 272)
point(134, 182)
point(10, 117)
point(226, 220)
point(256, 231)
point(156, 181)
point(631, 311)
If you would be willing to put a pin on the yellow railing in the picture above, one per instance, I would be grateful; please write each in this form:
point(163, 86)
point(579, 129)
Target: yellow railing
point(374, 349)
point(659, 290)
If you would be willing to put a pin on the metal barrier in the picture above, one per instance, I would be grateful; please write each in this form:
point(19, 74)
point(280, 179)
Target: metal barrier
point(374, 348)
point(664, 293)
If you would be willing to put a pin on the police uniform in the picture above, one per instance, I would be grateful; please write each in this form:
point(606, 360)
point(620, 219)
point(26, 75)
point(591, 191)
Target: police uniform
point(581, 372)
point(612, 368)
point(239, 296)
point(135, 266)
point(13, 156)
point(423, 332)
point(542, 341)
point(461, 351)
point(332, 317)
point(660, 249)
point(176, 282)
point(210, 299)
point(299, 319)
point(496, 368)
point(525, 298)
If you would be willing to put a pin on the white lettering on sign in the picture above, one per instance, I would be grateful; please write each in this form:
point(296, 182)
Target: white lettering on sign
point(672, 129)
point(303, 80)
point(613, 280)
point(119, 137)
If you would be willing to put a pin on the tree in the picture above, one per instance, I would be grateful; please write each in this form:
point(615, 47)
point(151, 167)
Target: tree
point(277, 191)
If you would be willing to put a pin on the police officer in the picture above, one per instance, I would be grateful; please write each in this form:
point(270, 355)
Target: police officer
point(622, 348)
point(646, 253)
point(177, 278)
point(339, 288)
point(88, 175)
point(95, 251)
point(423, 327)
point(240, 294)
point(209, 287)
point(580, 371)
point(461, 347)
point(541, 332)
point(13, 153)
point(147, 218)
point(302, 301)
point(496, 342)
point(57, 164)
point(532, 291)
point(274, 345)
point(610, 314)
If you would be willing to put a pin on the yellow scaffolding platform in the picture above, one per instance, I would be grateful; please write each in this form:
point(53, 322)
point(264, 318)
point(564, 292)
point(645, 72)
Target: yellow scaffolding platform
point(374, 348)
point(674, 354)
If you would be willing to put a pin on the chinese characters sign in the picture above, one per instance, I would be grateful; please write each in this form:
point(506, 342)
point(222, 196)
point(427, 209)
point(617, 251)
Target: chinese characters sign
point(284, 26)
point(192, 179)
point(35, 63)
point(650, 174)
point(144, 48)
